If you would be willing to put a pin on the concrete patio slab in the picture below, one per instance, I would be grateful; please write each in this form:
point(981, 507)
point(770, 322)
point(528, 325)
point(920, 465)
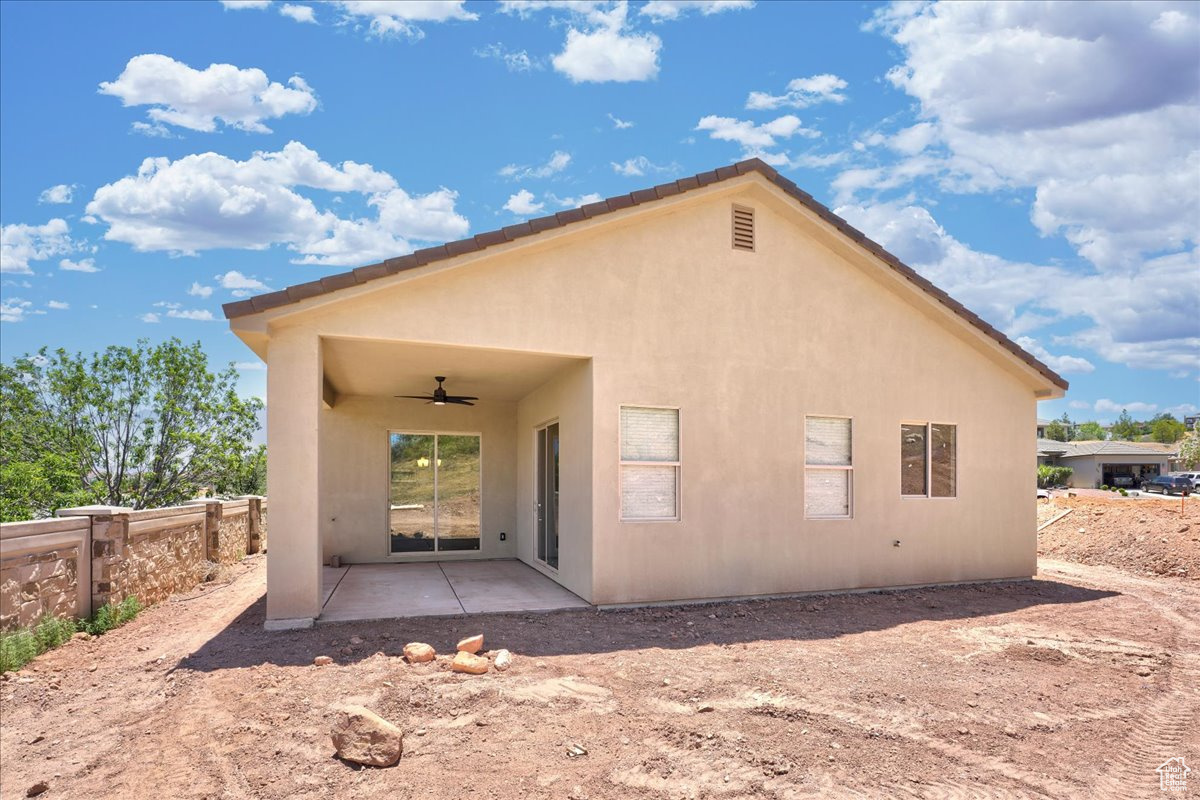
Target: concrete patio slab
point(382, 591)
point(506, 585)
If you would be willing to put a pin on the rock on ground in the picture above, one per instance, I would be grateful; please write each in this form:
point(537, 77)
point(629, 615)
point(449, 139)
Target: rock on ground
point(472, 644)
point(418, 652)
point(364, 737)
point(471, 664)
point(503, 661)
point(321, 661)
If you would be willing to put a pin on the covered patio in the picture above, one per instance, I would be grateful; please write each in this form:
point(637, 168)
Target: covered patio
point(438, 588)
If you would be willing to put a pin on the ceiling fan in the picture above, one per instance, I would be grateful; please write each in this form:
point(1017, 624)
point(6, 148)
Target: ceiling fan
point(439, 396)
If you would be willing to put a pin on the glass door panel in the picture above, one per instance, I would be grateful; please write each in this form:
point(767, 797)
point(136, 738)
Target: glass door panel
point(547, 495)
point(411, 497)
point(457, 492)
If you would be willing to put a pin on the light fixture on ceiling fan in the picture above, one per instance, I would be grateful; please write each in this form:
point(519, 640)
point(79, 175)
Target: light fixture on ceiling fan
point(439, 396)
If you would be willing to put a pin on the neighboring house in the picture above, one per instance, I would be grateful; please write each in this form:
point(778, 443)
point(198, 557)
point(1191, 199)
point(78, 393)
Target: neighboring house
point(1108, 463)
point(710, 388)
point(1190, 422)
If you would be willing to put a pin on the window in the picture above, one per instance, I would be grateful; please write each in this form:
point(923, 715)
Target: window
point(649, 463)
point(928, 460)
point(434, 492)
point(828, 467)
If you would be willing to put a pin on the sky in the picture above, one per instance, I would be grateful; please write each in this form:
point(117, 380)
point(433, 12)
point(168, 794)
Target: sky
point(1039, 162)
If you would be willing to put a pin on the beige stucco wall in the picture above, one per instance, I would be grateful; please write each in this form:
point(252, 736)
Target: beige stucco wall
point(745, 344)
point(354, 473)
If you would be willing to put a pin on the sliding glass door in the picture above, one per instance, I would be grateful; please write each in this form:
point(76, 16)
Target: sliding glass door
point(434, 492)
point(547, 495)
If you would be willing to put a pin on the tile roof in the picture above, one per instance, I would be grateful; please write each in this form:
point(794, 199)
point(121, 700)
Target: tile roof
point(332, 283)
point(1114, 448)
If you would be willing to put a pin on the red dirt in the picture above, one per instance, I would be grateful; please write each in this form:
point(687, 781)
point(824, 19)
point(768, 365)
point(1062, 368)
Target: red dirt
point(1143, 536)
point(1076, 684)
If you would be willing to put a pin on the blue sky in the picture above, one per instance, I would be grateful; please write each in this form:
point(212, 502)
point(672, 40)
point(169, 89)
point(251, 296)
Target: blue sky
point(1039, 162)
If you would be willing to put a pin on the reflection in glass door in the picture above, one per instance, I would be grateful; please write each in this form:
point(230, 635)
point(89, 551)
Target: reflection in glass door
point(433, 493)
point(547, 495)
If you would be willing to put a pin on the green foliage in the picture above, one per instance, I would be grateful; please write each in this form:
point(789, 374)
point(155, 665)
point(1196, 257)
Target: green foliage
point(1104, 487)
point(1189, 451)
point(22, 646)
point(1125, 429)
point(113, 615)
point(1089, 431)
point(1123, 492)
point(1048, 476)
point(1166, 429)
point(1056, 431)
point(140, 426)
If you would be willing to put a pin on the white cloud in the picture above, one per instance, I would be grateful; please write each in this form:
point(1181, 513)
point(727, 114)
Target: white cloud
point(1062, 364)
point(606, 51)
point(197, 290)
point(523, 204)
point(640, 165)
point(82, 265)
point(58, 305)
point(620, 124)
point(20, 244)
point(244, 5)
point(514, 60)
point(670, 10)
point(250, 365)
point(237, 281)
point(61, 194)
point(1080, 404)
point(574, 202)
point(14, 309)
point(756, 140)
point(194, 314)
point(155, 131)
point(298, 13)
point(558, 161)
point(398, 18)
point(1106, 406)
point(207, 201)
point(197, 99)
point(801, 93)
point(149, 317)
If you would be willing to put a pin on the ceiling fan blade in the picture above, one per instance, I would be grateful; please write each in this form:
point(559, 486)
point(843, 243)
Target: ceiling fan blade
point(458, 401)
point(415, 396)
point(460, 397)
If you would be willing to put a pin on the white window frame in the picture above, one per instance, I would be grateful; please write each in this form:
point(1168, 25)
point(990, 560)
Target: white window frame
point(848, 468)
point(678, 464)
point(928, 425)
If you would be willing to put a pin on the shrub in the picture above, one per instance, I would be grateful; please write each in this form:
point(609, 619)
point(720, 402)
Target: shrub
point(22, 646)
point(1123, 492)
point(1104, 487)
point(113, 615)
point(1048, 476)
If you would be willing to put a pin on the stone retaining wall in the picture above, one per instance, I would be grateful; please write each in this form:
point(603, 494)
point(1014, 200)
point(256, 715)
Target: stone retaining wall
point(95, 555)
point(44, 570)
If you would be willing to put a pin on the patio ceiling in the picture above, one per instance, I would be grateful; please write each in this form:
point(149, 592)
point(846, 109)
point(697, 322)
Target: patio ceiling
point(385, 368)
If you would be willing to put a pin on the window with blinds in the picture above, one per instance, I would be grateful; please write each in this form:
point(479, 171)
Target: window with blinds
point(928, 460)
point(743, 228)
point(649, 463)
point(828, 467)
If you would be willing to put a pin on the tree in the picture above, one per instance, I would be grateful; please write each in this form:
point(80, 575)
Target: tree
point(1091, 430)
point(1189, 451)
point(1125, 428)
point(1056, 431)
point(141, 427)
point(1166, 429)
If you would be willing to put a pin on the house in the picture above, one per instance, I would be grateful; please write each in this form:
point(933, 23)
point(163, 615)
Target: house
point(710, 388)
point(1108, 463)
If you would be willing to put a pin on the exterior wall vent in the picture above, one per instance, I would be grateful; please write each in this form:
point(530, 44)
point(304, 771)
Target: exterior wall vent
point(743, 228)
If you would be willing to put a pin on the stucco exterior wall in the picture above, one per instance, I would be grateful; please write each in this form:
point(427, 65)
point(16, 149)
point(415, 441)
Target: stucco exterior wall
point(354, 473)
point(745, 344)
point(1086, 470)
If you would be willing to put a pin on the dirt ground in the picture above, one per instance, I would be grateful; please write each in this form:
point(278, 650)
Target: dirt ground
point(1144, 536)
point(1076, 684)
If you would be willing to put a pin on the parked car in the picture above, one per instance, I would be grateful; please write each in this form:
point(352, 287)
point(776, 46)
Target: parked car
point(1194, 477)
point(1168, 484)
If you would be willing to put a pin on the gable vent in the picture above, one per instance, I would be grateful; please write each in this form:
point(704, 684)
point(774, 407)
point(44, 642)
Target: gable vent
point(743, 228)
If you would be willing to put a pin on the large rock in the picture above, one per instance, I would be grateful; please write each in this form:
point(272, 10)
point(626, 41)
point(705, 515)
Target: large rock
point(362, 736)
point(471, 664)
point(418, 653)
point(503, 661)
point(472, 644)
